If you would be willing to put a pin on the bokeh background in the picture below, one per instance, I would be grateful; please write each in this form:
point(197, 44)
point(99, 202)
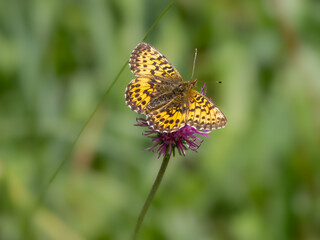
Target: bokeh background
point(259, 178)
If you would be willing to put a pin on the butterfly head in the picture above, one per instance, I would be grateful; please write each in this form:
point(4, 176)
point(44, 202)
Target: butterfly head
point(185, 86)
point(192, 83)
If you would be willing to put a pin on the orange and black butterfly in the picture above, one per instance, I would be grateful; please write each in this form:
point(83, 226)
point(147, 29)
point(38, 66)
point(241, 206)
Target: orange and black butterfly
point(169, 103)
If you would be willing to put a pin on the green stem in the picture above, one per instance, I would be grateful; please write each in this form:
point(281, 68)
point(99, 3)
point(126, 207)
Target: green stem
point(151, 195)
point(158, 19)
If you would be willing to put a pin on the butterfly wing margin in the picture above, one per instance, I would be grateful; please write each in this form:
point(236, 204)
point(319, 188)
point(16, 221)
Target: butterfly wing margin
point(146, 61)
point(170, 117)
point(204, 114)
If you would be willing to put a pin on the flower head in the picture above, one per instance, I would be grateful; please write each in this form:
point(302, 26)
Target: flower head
point(183, 139)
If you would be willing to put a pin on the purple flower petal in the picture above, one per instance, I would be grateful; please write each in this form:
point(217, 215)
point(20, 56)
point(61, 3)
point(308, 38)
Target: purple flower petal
point(204, 89)
point(183, 139)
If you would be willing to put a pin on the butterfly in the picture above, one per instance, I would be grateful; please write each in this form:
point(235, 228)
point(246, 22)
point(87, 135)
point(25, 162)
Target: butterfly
point(159, 92)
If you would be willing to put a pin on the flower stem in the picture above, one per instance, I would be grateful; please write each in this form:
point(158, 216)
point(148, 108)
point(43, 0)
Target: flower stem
point(151, 195)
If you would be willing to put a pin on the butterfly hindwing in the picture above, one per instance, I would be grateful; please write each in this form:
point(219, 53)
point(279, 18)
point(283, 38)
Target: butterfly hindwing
point(142, 90)
point(170, 117)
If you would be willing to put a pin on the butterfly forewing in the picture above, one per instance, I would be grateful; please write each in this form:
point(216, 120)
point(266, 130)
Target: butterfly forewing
point(146, 61)
point(203, 114)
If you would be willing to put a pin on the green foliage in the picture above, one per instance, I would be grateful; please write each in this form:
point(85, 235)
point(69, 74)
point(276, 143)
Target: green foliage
point(259, 178)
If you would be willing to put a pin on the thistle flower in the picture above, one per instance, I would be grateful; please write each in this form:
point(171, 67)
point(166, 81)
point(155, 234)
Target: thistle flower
point(183, 139)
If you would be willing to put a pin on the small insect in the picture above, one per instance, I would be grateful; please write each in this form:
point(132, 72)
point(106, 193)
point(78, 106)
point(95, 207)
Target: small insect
point(169, 103)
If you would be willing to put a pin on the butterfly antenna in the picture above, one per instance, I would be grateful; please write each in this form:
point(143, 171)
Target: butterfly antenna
point(194, 62)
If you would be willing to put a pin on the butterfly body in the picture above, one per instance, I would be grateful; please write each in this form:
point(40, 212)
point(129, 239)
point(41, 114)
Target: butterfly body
point(180, 89)
point(168, 102)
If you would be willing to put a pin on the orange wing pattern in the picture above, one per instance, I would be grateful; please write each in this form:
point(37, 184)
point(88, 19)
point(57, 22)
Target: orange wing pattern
point(146, 61)
point(142, 90)
point(170, 117)
point(203, 114)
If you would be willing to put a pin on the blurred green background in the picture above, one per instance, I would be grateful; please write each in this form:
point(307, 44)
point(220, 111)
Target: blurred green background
point(259, 178)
